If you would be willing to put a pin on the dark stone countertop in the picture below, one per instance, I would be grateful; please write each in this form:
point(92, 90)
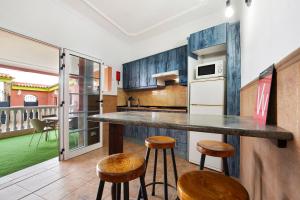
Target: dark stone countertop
point(226, 124)
point(153, 109)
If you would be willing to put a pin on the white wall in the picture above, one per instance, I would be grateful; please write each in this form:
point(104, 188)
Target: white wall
point(53, 22)
point(175, 33)
point(270, 30)
point(18, 51)
point(173, 37)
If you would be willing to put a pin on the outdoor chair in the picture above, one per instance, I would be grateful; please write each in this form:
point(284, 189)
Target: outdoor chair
point(51, 123)
point(39, 127)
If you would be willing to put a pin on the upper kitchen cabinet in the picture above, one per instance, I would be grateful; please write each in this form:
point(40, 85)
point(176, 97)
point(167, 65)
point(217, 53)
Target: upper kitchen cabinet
point(135, 75)
point(143, 73)
point(138, 74)
point(161, 60)
point(181, 61)
point(171, 60)
point(126, 78)
point(131, 75)
point(209, 40)
point(151, 69)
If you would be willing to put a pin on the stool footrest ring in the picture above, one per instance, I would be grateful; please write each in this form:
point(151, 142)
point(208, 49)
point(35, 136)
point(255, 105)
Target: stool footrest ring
point(160, 183)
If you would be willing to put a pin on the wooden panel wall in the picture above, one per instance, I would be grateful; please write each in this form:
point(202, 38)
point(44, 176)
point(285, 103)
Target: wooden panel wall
point(233, 90)
point(267, 171)
point(109, 105)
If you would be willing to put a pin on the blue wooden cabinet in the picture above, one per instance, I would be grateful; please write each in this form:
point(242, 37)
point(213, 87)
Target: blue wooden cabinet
point(209, 37)
point(143, 73)
point(138, 74)
point(171, 60)
point(161, 62)
point(181, 147)
point(126, 76)
point(181, 58)
point(151, 69)
point(135, 74)
point(140, 133)
point(131, 75)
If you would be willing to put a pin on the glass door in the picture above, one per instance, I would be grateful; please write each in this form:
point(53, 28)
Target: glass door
point(82, 96)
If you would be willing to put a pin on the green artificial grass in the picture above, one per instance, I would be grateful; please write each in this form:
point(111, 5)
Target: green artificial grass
point(16, 154)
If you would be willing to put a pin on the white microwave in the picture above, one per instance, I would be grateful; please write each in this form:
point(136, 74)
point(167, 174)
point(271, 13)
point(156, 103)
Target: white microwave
point(210, 70)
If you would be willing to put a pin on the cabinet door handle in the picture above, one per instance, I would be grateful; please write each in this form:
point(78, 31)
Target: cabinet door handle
point(100, 101)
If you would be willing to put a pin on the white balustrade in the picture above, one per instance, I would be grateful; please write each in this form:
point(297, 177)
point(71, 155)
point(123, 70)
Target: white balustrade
point(22, 119)
point(15, 119)
point(27, 117)
point(15, 116)
point(7, 119)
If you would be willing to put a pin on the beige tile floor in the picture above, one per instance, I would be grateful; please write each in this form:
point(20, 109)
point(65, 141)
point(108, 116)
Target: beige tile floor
point(77, 179)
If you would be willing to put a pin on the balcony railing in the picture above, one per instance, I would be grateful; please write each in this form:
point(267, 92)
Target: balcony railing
point(14, 119)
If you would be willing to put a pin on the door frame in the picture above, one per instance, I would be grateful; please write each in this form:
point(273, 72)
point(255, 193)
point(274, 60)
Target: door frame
point(64, 152)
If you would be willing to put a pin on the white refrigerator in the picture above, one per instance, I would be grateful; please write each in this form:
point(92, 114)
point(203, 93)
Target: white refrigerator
point(207, 96)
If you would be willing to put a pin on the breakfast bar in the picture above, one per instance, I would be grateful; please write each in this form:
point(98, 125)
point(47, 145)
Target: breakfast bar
point(224, 124)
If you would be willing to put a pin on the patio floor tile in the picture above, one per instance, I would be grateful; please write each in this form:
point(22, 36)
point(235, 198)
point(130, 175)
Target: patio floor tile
point(13, 192)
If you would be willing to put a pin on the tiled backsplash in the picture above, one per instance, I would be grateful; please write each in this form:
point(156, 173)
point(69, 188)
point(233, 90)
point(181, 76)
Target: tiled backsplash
point(171, 95)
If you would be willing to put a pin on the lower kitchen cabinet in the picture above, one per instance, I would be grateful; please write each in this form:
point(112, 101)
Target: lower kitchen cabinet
point(140, 133)
point(180, 136)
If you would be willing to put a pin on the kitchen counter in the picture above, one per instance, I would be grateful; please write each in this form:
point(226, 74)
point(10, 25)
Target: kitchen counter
point(226, 124)
point(153, 109)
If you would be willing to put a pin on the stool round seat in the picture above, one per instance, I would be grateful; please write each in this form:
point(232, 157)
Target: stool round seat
point(160, 142)
point(206, 185)
point(122, 167)
point(215, 148)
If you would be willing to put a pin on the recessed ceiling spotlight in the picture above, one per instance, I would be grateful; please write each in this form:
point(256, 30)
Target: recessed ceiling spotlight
point(248, 2)
point(229, 10)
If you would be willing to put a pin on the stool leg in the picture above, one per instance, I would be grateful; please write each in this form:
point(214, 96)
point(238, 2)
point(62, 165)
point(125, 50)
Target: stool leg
point(114, 191)
point(100, 190)
point(202, 161)
point(154, 173)
point(174, 167)
point(143, 188)
point(118, 191)
point(165, 175)
point(126, 191)
point(146, 160)
point(147, 157)
point(225, 166)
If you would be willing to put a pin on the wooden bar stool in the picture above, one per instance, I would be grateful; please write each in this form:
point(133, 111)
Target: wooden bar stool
point(164, 143)
point(206, 185)
point(118, 169)
point(216, 149)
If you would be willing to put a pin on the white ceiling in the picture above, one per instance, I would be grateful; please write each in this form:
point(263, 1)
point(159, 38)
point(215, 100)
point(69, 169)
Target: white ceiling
point(136, 17)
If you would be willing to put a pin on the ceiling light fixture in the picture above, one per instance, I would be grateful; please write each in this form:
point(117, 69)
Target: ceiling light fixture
point(229, 10)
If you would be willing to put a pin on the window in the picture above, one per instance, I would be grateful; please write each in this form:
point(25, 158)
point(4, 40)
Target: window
point(30, 100)
point(4, 91)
